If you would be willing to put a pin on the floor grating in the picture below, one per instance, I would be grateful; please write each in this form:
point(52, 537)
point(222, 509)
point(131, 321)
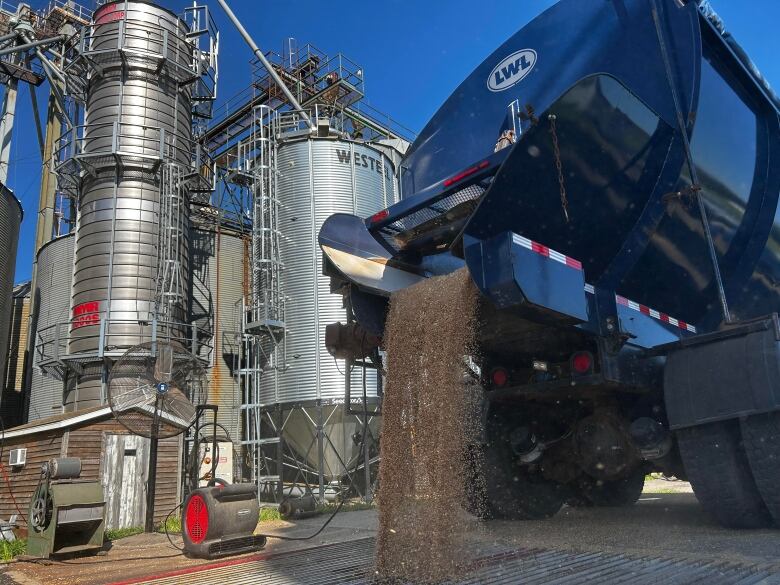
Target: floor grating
point(350, 563)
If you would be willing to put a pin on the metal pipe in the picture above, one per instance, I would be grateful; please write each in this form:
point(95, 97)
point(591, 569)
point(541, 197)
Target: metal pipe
point(48, 65)
point(683, 127)
point(38, 129)
point(7, 117)
point(259, 54)
point(31, 44)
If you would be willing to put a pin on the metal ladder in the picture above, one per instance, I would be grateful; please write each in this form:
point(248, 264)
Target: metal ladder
point(263, 316)
point(170, 290)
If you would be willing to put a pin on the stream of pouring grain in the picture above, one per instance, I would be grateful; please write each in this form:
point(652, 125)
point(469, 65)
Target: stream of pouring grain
point(426, 425)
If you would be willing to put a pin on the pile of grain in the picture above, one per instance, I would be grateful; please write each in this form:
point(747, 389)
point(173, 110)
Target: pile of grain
point(426, 424)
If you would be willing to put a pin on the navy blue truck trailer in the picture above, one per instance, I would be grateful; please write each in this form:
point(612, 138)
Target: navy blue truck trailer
point(609, 177)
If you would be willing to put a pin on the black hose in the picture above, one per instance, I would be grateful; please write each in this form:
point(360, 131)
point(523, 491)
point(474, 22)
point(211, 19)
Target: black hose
point(165, 527)
point(332, 516)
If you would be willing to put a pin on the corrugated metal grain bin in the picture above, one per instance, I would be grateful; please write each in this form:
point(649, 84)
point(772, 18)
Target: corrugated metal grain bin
point(10, 222)
point(54, 274)
point(316, 179)
point(218, 269)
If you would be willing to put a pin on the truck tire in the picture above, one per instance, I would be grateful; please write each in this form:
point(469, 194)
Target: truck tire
point(761, 435)
point(609, 494)
point(511, 491)
point(719, 472)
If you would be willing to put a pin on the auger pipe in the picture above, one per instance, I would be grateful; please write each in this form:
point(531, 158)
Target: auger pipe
point(259, 54)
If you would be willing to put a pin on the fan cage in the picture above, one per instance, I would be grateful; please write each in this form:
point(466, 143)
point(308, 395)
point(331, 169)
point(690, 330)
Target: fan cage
point(133, 397)
point(196, 519)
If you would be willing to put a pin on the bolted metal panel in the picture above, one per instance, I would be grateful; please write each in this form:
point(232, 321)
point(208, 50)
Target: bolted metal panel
point(136, 109)
point(318, 178)
point(10, 221)
point(218, 273)
point(53, 278)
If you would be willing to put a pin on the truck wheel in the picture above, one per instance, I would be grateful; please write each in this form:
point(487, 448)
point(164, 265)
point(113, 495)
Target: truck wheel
point(718, 470)
point(761, 434)
point(620, 492)
point(511, 491)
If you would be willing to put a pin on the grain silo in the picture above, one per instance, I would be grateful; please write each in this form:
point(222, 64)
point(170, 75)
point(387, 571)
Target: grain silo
point(10, 222)
point(129, 165)
point(53, 277)
point(319, 173)
point(219, 257)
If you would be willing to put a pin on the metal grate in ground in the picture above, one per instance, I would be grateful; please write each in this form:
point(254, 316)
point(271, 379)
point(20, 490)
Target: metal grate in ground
point(350, 564)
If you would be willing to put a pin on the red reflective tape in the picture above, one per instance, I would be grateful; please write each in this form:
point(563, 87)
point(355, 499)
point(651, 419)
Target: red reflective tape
point(540, 249)
point(467, 173)
point(653, 314)
point(572, 263)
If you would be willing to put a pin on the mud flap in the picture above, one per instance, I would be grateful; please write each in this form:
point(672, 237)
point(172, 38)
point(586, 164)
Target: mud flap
point(726, 375)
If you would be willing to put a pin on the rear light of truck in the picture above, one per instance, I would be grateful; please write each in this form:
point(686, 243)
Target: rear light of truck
point(499, 377)
point(466, 173)
point(582, 362)
point(379, 216)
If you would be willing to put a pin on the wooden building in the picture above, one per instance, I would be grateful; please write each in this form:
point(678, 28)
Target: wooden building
point(12, 397)
point(108, 453)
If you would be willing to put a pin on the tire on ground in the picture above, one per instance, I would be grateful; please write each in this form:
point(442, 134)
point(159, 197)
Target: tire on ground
point(511, 491)
point(616, 493)
point(718, 470)
point(761, 436)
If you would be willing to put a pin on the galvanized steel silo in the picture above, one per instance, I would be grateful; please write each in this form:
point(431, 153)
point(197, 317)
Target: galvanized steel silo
point(220, 269)
point(134, 154)
point(53, 278)
point(10, 222)
point(318, 177)
point(135, 105)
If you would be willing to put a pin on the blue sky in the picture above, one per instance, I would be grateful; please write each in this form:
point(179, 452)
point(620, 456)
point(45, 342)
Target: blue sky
point(414, 53)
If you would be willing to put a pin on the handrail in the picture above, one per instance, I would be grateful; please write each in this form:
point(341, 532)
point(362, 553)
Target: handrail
point(51, 346)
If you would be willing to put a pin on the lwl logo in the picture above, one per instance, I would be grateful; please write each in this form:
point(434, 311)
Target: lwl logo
point(512, 70)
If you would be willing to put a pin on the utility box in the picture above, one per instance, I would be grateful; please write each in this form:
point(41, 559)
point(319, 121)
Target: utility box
point(66, 517)
point(224, 462)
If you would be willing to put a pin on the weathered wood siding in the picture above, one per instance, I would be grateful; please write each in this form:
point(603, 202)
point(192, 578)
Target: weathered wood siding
point(88, 442)
point(24, 480)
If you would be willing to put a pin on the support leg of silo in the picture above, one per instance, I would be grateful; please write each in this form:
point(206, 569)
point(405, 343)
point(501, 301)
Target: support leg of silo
point(321, 452)
point(368, 494)
point(280, 456)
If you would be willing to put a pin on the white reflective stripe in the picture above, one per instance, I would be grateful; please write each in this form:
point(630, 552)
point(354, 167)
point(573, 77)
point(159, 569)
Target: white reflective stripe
point(521, 241)
point(552, 254)
point(557, 256)
point(590, 289)
point(654, 314)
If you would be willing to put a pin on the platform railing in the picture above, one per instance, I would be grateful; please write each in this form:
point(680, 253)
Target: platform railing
point(53, 357)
